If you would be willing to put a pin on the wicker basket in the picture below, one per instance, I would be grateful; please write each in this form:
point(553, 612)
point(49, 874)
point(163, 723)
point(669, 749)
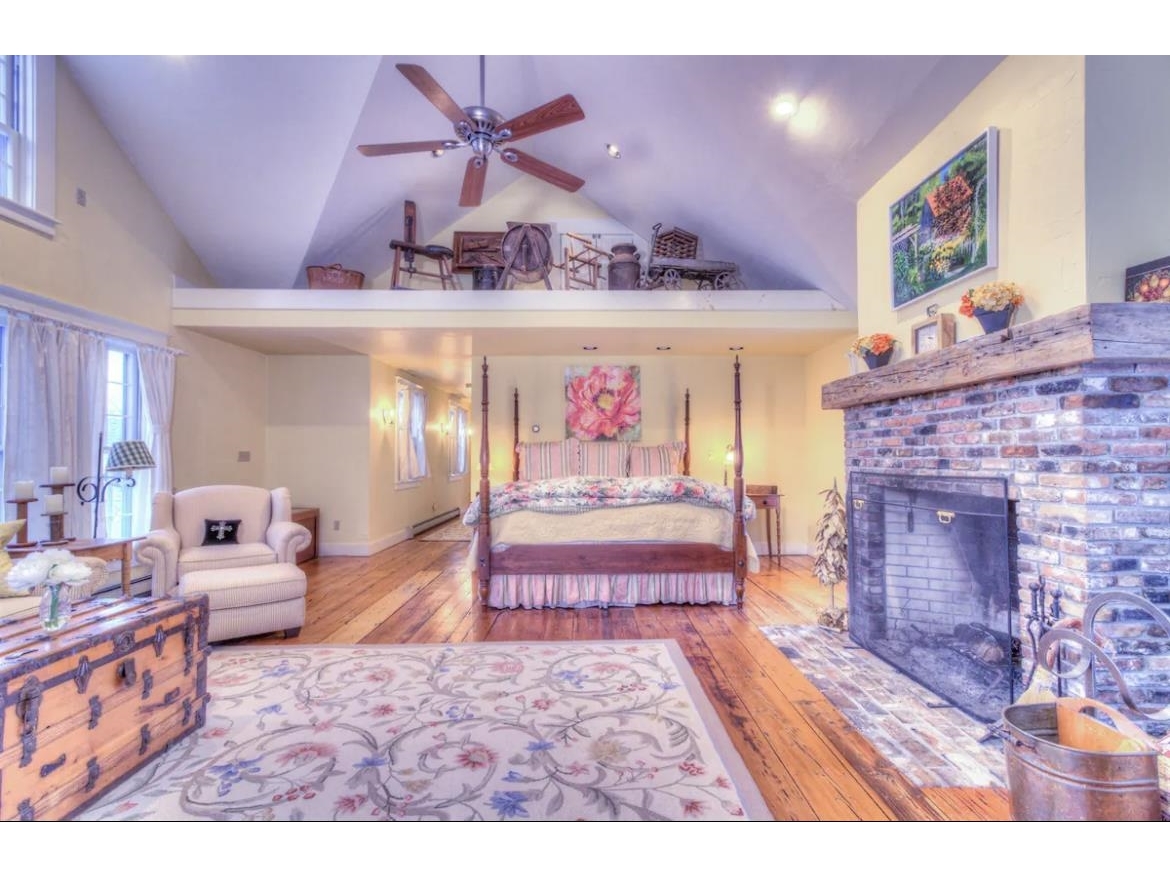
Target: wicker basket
point(676, 244)
point(334, 277)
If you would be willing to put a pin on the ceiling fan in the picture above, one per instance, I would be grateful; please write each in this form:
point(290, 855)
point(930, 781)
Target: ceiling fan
point(486, 131)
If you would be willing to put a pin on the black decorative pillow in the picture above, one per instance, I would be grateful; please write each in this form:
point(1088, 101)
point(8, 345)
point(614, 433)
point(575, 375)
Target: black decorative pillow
point(221, 532)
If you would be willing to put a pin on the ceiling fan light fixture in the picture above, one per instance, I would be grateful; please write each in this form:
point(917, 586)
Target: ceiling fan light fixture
point(612, 150)
point(436, 153)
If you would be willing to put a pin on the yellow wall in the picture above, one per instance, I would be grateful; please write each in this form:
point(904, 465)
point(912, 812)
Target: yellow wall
point(116, 256)
point(1037, 103)
point(221, 408)
point(774, 393)
point(327, 443)
point(318, 440)
point(824, 433)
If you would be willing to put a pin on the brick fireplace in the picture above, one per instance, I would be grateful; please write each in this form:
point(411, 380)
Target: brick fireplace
point(1073, 412)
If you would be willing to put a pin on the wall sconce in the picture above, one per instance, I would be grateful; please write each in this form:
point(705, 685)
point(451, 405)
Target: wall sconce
point(387, 417)
point(728, 460)
point(124, 458)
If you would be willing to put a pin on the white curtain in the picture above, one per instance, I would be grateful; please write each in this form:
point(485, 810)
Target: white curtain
point(156, 367)
point(56, 409)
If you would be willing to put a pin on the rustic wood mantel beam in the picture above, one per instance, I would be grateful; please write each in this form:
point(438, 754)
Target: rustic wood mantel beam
point(1110, 332)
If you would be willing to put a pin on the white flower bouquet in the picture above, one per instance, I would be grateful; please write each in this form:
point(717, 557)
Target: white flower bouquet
point(54, 566)
point(56, 569)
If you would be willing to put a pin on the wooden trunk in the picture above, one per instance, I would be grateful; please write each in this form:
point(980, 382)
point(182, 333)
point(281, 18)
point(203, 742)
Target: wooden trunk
point(84, 707)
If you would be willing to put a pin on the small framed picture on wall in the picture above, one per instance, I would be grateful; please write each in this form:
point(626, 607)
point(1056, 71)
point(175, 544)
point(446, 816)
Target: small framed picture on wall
point(933, 334)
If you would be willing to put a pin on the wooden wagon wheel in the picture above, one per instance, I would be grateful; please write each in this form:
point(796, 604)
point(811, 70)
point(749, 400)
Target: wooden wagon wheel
point(672, 278)
point(527, 255)
point(728, 280)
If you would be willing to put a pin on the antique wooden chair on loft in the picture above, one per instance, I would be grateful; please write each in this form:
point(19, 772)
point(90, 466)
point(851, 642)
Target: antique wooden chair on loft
point(406, 251)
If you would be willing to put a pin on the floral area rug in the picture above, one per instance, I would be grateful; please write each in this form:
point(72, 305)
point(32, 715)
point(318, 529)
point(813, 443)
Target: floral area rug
point(613, 730)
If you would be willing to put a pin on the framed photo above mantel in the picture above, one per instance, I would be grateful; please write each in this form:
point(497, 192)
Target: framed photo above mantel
point(933, 334)
point(945, 228)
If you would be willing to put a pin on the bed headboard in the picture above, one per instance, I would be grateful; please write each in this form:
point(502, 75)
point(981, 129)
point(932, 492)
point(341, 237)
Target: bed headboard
point(686, 461)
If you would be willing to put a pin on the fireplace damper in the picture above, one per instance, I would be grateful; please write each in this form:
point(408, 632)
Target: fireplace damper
point(930, 584)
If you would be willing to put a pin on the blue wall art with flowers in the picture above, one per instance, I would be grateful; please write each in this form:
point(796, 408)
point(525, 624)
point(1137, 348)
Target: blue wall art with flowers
point(603, 403)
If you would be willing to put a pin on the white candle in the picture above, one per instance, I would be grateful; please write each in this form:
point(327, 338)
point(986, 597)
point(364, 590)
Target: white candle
point(54, 504)
point(23, 490)
point(58, 474)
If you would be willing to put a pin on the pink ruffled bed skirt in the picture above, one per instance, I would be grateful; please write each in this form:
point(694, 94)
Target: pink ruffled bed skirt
point(582, 591)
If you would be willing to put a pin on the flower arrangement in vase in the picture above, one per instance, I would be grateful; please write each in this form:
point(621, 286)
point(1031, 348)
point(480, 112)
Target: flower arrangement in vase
point(55, 570)
point(875, 349)
point(992, 304)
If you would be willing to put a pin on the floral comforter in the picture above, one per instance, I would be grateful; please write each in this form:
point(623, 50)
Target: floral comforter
point(582, 494)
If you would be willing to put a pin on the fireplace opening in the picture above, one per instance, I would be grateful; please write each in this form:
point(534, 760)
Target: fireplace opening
point(930, 584)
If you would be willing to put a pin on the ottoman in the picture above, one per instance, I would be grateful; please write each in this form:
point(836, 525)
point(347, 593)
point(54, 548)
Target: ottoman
point(249, 600)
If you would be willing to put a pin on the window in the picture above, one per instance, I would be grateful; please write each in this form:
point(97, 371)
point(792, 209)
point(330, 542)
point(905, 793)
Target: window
point(412, 432)
point(27, 140)
point(457, 436)
point(3, 400)
point(123, 421)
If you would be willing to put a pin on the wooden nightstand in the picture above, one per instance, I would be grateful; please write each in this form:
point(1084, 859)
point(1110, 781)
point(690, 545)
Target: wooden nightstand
point(307, 517)
point(767, 497)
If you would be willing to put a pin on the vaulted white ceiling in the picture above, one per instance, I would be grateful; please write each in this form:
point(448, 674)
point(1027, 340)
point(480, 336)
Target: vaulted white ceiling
point(255, 159)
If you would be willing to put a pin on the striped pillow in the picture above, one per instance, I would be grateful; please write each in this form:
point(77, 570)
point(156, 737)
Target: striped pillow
point(605, 458)
point(664, 459)
point(540, 460)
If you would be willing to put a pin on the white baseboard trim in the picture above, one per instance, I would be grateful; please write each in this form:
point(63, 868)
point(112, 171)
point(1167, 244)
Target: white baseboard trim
point(786, 548)
point(361, 549)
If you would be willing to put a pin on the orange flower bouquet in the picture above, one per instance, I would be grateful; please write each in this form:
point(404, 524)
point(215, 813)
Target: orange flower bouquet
point(999, 295)
point(877, 344)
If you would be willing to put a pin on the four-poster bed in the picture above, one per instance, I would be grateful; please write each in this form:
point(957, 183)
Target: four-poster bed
point(608, 523)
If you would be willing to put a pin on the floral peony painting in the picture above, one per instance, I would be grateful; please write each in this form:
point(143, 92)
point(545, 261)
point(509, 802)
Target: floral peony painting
point(603, 402)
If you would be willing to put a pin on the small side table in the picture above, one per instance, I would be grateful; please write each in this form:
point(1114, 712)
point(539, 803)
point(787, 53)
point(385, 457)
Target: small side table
point(106, 549)
point(767, 497)
point(307, 517)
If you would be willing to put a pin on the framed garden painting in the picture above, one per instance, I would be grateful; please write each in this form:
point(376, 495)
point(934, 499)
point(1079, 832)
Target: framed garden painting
point(603, 402)
point(945, 227)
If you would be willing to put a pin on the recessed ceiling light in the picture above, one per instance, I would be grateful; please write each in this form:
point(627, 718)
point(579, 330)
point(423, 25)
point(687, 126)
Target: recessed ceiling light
point(737, 347)
point(613, 150)
point(662, 347)
point(785, 106)
point(589, 347)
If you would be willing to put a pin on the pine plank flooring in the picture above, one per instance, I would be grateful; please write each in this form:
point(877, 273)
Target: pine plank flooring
point(807, 759)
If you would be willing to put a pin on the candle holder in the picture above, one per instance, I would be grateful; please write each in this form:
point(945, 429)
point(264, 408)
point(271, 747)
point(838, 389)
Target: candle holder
point(22, 515)
point(57, 519)
point(56, 530)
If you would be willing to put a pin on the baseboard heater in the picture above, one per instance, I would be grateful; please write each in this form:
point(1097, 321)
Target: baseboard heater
point(432, 522)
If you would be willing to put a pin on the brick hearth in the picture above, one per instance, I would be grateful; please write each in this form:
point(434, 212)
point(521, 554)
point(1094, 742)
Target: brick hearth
point(1074, 411)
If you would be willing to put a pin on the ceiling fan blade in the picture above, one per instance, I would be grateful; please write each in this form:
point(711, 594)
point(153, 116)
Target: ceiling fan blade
point(522, 161)
point(401, 148)
point(553, 114)
point(473, 179)
point(433, 92)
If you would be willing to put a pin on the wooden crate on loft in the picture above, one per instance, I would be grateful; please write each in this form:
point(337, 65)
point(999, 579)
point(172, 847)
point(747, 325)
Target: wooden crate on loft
point(678, 243)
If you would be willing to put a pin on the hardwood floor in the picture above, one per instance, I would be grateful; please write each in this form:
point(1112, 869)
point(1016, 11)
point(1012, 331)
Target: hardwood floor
point(808, 760)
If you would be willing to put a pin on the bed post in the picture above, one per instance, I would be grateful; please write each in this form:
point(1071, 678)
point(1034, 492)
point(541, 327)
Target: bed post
point(740, 533)
point(516, 434)
point(483, 560)
point(687, 432)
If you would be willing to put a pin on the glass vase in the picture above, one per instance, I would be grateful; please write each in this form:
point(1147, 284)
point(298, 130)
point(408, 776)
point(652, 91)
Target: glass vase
point(55, 607)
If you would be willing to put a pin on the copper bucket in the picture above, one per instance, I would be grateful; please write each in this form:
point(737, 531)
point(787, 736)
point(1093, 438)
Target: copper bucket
point(1062, 769)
